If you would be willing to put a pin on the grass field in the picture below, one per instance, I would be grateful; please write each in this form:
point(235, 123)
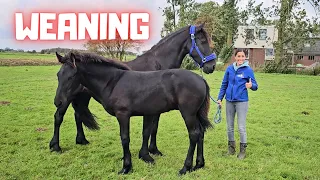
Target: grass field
point(31, 59)
point(24, 55)
point(283, 134)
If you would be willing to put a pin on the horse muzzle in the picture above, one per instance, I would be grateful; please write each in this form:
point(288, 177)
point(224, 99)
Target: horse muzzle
point(59, 101)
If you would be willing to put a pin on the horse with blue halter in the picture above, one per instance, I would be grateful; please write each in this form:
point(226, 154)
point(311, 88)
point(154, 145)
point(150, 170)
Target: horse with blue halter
point(168, 53)
point(124, 93)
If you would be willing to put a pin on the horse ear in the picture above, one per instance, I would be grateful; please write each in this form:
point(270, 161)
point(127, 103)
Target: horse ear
point(73, 60)
point(200, 27)
point(60, 58)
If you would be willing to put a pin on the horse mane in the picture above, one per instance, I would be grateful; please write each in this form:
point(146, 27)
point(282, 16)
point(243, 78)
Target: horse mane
point(89, 57)
point(207, 36)
point(175, 33)
point(166, 38)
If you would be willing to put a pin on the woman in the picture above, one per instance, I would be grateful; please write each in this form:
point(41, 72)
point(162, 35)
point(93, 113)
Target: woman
point(237, 79)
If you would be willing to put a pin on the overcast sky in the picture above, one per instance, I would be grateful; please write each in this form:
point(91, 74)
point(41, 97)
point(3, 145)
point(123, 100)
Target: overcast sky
point(9, 7)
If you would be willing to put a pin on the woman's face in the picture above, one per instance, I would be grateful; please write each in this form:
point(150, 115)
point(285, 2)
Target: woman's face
point(240, 57)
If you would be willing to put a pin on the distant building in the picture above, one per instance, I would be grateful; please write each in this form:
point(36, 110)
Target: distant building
point(260, 48)
point(309, 55)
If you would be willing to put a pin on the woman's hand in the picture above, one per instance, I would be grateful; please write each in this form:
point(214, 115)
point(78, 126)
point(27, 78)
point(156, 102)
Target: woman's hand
point(219, 102)
point(249, 84)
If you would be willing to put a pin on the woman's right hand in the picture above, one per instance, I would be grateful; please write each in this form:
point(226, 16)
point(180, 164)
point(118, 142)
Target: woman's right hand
point(219, 102)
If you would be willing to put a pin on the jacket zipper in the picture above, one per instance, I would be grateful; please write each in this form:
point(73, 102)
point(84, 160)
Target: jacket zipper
point(234, 78)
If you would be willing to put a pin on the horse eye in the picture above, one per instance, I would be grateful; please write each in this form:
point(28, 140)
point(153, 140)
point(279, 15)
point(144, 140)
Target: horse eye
point(69, 78)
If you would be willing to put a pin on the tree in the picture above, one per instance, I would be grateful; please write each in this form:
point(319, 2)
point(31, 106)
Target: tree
point(221, 23)
point(177, 14)
point(295, 29)
point(210, 13)
point(113, 48)
point(180, 13)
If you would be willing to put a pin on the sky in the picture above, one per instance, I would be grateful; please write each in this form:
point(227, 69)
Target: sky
point(9, 7)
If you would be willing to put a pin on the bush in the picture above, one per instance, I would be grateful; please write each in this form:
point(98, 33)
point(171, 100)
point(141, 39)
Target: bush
point(189, 63)
point(220, 66)
point(273, 67)
point(226, 53)
point(315, 71)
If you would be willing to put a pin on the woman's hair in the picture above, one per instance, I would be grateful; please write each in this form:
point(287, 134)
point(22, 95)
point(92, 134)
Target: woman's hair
point(241, 50)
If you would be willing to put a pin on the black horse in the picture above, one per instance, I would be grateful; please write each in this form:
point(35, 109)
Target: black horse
point(124, 93)
point(167, 54)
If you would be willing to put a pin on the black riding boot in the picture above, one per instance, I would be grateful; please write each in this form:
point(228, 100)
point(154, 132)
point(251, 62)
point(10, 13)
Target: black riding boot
point(242, 153)
point(231, 147)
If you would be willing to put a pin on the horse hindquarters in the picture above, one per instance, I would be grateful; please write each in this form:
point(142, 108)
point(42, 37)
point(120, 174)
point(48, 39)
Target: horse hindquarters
point(204, 124)
point(195, 115)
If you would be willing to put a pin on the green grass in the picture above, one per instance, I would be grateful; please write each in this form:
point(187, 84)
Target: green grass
point(26, 56)
point(35, 56)
point(283, 142)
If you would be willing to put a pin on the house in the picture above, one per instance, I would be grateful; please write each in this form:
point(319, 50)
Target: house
point(258, 43)
point(309, 55)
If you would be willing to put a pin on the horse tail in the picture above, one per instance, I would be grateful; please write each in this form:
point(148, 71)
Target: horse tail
point(82, 112)
point(204, 109)
point(89, 120)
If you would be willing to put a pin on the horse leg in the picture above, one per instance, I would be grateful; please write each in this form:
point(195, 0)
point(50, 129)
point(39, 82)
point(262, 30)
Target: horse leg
point(124, 124)
point(153, 149)
point(194, 134)
point(144, 152)
point(80, 106)
point(200, 158)
point(58, 118)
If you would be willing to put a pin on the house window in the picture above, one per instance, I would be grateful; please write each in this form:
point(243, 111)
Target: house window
point(249, 36)
point(269, 52)
point(247, 53)
point(262, 34)
point(311, 58)
point(299, 57)
point(249, 32)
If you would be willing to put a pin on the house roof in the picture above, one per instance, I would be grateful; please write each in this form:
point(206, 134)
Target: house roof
point(313, 49)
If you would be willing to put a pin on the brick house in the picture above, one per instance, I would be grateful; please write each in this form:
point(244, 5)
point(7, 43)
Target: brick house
point(309, 54)
point(260, 49)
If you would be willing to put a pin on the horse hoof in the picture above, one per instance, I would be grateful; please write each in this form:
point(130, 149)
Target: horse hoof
point(55, 147)
point(184, 170)
point(146, 158)
point(155, 152)
point(198, 166)
point(125, 170)
point(82, 141)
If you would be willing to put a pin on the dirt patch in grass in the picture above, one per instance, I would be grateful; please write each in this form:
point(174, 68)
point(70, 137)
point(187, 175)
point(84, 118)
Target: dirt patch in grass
point(2, 103)
point(41, 129)
point(28, 62)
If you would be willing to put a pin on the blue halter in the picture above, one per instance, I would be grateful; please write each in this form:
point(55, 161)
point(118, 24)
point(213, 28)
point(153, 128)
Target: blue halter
point(217, 118)
point(194, 46)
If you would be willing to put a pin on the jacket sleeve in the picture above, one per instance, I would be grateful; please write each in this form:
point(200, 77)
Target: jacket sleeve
point(253, 80)
point(224, 85)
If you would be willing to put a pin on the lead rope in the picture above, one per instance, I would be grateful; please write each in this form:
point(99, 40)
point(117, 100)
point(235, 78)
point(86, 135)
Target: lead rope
point(217, 117)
